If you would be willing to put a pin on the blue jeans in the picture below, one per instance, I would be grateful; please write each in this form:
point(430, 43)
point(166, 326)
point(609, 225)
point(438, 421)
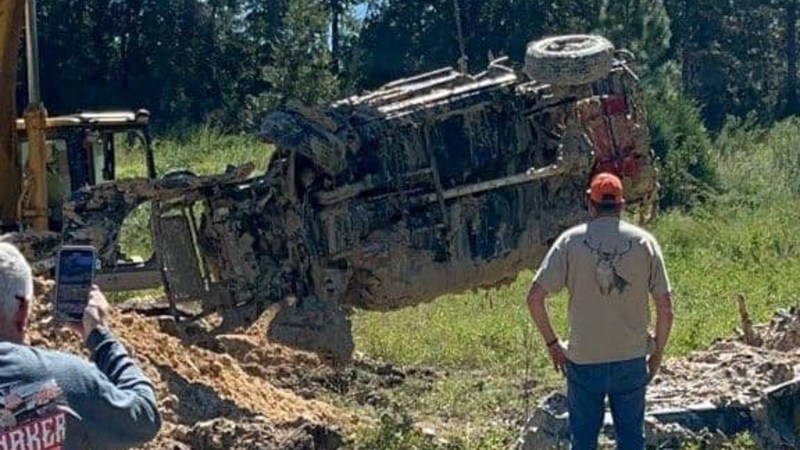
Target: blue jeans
point(588, 385)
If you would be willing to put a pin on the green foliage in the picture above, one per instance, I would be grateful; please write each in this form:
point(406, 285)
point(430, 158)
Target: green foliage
point(759, 165)
point(397, 434)
point(402, 38)
point(731, 54)
point(642, 27)
point(302, 64)
point(225, 61)
point(742, 441)
point(786, 158)
point(188, 61)
point(203, 149)
point(681, 142)
point(180, 59)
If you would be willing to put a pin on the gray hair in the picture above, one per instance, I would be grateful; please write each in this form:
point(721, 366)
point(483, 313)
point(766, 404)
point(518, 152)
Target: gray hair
point(16, 279)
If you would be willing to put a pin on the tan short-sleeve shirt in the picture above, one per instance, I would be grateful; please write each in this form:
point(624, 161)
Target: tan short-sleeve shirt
point(610, 268)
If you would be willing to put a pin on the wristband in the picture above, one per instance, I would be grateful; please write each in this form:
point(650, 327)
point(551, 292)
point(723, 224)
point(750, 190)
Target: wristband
point(551, 343)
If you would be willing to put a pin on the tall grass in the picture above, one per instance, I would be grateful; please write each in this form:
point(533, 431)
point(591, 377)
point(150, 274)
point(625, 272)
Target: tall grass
point(204, 150)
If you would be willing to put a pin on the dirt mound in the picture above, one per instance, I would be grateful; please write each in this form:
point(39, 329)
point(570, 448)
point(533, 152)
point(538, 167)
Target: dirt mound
point(748, 382)
point(727, 373)
point(733, 371)
point(214, 392)
point(254, 434)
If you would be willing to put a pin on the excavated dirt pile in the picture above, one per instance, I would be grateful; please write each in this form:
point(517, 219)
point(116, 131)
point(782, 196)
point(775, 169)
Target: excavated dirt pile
point(728, 385)
point(733, 371)
point(215, 392)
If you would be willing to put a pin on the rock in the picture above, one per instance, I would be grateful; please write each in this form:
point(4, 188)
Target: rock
point(548, 426)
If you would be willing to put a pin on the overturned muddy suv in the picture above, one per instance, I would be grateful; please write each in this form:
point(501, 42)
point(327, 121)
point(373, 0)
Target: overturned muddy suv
point(434, 184)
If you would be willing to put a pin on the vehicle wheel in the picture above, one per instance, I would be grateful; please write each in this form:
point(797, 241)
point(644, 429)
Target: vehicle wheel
point(180, 173)
point(179, 178)
point(569, 60)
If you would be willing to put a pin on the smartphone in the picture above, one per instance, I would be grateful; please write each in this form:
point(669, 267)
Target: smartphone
point(75, 270)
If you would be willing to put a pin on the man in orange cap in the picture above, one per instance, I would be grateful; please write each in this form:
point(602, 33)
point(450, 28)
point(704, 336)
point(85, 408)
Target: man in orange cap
point(611, 269)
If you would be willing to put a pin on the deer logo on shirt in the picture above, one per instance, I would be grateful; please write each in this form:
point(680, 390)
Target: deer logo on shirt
point(606, 275)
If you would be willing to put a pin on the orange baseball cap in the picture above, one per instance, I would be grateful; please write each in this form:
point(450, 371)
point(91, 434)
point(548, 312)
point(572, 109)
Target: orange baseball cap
point(606, 185)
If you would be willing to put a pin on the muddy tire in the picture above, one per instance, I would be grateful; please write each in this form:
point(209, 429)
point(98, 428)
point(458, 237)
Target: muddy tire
point(179, 178)
point(569, 60)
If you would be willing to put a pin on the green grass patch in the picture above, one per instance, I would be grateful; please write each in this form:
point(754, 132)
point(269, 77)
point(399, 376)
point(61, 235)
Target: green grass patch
point(481, 330)
point(401, 433)
point(710, 258)
point(204, 151)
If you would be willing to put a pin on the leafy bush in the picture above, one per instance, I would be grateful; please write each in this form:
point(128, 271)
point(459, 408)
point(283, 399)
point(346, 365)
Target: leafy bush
point(681, 142)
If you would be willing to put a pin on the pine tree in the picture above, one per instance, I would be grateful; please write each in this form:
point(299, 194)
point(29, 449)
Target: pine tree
point(641, 26)
point(790, 106)
point(732, 56)
point(301, 62)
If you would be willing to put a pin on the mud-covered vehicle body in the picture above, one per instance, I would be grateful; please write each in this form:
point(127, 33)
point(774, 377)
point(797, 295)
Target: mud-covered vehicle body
point(434, 184)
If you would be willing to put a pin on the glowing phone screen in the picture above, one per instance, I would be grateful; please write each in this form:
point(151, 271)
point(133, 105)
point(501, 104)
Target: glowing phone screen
point(74, 279)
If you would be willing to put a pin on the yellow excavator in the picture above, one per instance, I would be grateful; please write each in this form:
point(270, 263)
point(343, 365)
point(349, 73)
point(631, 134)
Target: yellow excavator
point(24, 197)
point(43, 159)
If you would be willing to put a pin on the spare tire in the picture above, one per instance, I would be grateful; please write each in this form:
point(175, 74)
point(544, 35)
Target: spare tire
point(569, 60)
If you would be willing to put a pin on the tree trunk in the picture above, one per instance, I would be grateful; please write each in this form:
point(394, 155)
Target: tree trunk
point(686, 41)
point(791, 58)
point(335, 44)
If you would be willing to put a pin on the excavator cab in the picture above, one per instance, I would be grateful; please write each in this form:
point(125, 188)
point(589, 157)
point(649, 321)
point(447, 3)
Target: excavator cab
point(61, 183)
point(82, 149)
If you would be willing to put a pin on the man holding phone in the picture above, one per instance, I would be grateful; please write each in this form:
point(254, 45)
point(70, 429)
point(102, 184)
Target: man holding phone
point(55, 400)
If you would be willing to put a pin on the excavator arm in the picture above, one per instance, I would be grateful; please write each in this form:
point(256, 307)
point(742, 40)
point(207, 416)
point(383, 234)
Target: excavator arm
point(24, 201)
point(12, 17)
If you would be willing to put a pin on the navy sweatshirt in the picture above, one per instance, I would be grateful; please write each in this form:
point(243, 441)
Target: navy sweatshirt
point(52, 400)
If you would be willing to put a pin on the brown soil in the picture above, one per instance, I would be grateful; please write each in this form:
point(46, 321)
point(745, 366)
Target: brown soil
point(735, 372)
point(215, 392)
